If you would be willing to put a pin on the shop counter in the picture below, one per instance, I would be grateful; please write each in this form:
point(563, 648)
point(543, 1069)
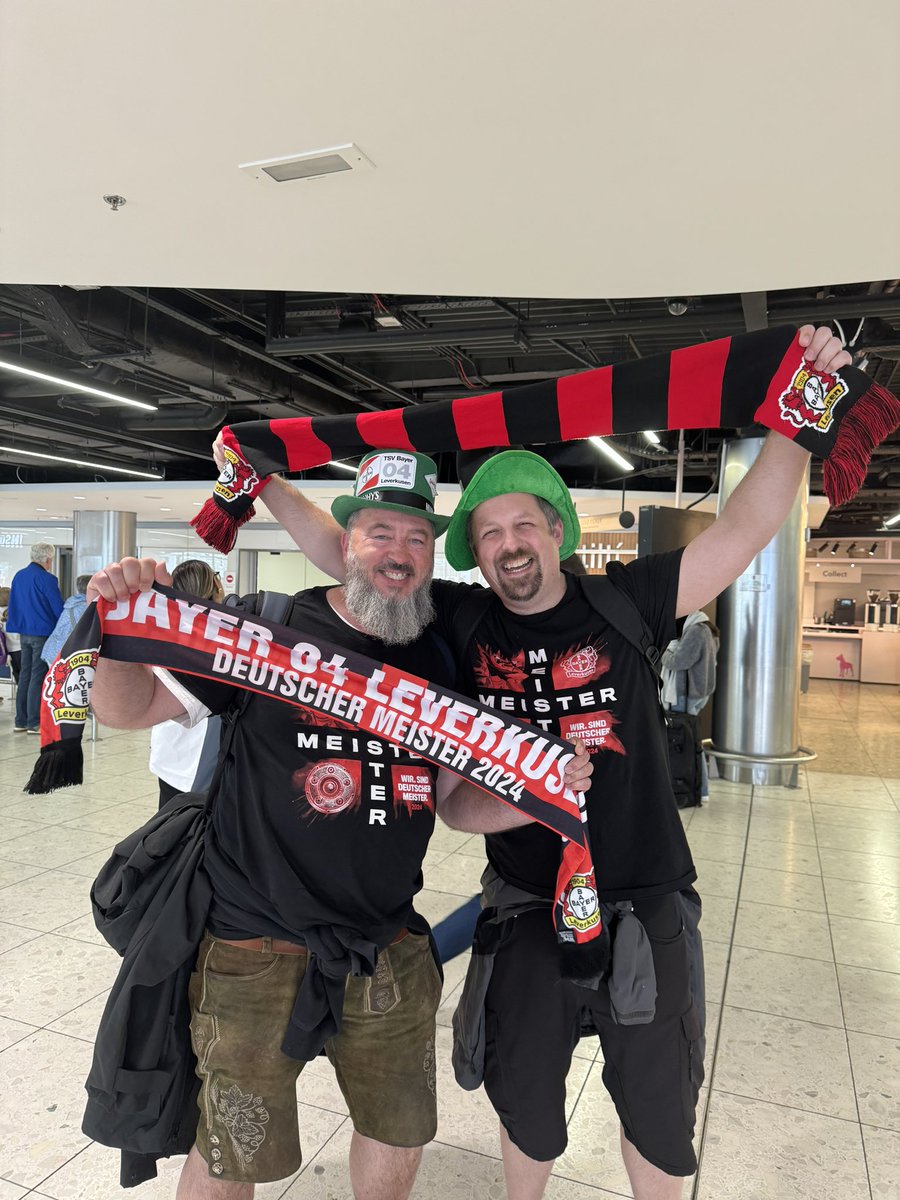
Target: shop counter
point(837, 651)
point(880, 656)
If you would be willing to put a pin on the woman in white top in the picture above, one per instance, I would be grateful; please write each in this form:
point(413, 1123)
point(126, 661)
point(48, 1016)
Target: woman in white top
point(184, 759)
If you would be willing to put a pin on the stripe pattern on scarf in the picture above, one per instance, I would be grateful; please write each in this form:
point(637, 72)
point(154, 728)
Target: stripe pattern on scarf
point(727, 383)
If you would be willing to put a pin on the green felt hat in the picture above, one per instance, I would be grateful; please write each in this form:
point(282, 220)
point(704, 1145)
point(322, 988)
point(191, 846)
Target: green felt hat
point(399, 480)
point(510, 471)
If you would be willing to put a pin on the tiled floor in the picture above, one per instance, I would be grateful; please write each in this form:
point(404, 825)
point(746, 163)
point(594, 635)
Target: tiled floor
point(802, 926)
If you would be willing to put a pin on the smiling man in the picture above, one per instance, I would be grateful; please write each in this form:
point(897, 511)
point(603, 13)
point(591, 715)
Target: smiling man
point(536, 646)
point(314, 854)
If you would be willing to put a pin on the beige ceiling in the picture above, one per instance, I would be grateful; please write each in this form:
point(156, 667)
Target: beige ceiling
point(521, 148)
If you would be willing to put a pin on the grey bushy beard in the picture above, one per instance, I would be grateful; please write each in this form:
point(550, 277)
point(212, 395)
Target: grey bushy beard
point(394, 620)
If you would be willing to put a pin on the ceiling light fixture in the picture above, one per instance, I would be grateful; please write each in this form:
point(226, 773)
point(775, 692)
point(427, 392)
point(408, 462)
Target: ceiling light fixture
point(311, 164)
point(611, 453)
point(78, 462)
point(69, 385)
point(873, 548)
point(652, 437)
point(79, 497)
point(850, 549)
point(342, 466)
point(823, 548)
point(892, 521)
point(834, 548)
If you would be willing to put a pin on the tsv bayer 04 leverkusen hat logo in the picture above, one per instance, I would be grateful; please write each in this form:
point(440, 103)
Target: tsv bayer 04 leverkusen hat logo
point(391, 471)
point(394, 480)
point(67, 687)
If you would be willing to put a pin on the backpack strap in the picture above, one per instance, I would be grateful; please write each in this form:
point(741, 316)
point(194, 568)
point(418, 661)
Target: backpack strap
point(620, 612)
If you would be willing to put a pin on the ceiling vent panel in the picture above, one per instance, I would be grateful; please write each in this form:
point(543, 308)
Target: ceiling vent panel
point(311, 164)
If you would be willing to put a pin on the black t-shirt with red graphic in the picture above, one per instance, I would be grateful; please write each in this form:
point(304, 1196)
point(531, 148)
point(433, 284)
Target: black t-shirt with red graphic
point(571, 673)
point(317, 822)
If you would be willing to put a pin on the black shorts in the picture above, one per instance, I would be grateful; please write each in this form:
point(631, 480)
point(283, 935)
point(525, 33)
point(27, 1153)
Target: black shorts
point(534, 1019)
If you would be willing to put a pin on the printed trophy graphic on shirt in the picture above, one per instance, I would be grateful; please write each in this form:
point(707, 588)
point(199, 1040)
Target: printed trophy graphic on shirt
point(332, 786)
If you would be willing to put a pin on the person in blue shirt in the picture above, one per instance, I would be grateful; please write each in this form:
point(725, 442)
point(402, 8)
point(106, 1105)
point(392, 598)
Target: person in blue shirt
point(71, 614)
point(35, 605)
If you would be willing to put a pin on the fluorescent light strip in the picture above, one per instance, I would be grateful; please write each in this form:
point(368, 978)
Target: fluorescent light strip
point(612, 454)
point(652, 438)
point(71, 386)
point(78, 462)
point(893, 520)
point(343, 466)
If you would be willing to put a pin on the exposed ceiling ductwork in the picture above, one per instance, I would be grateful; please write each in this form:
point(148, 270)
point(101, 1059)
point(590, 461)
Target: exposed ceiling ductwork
point(208, 358)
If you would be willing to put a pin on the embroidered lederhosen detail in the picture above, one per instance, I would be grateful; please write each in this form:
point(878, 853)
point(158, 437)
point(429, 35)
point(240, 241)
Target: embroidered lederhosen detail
point(244, 1117)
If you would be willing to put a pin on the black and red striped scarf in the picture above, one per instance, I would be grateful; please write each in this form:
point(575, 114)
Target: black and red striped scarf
point(723, 384)
point(509, 759)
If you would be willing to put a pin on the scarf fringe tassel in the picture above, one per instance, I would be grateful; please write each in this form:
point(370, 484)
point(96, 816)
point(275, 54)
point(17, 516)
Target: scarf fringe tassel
point(60, 764)
point(218, 528)
point(874, 416)
point(586, 963)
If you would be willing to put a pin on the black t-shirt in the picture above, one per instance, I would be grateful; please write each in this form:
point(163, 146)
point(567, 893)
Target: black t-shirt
point(570, 672)
point(315, 821)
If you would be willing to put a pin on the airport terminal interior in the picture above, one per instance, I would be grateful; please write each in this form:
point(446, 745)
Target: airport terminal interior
point(217, 213)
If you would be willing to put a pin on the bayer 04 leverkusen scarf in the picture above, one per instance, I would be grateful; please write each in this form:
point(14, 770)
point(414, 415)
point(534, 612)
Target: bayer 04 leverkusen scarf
point(723, 384)
point(507, 758)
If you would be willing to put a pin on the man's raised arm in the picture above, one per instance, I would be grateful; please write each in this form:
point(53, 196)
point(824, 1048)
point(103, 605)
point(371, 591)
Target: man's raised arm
point(129, 695)
point(315, 533)
point(759, 505)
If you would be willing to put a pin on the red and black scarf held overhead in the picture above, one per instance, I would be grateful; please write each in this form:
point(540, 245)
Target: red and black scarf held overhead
point(728, 383)
point(507, 758)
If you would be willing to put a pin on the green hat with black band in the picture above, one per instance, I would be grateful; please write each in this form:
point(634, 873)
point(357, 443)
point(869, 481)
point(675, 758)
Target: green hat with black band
point(398, 480)
point(505, 473)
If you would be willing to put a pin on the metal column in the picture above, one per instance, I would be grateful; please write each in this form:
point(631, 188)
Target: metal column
point(757, 725)
point(103, 537)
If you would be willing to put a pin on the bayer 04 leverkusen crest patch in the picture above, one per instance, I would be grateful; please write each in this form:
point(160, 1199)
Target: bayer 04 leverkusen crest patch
point(580, 904)
point(810, 397)
point(237, 478)
point(67, 686)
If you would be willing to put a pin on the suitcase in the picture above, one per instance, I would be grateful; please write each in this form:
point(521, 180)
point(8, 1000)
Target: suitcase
point(683, 735)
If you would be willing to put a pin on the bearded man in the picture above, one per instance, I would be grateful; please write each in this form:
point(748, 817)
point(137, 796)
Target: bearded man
point(314, 853)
